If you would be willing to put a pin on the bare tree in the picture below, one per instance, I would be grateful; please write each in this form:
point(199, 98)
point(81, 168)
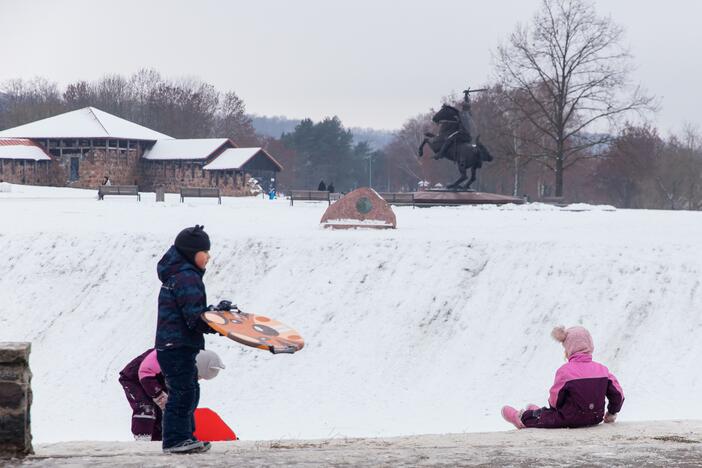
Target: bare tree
point(628, 172)
point(79, 94)
point(29, 100)
point(507, 135)
point(233, 122)
point(404, 168)
point(678, 177)
point(570, 65)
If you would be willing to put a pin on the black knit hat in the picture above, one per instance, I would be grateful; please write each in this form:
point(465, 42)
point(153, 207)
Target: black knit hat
point(191, 241)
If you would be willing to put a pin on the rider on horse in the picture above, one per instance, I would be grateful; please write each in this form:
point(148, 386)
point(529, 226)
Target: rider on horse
point(455, 126)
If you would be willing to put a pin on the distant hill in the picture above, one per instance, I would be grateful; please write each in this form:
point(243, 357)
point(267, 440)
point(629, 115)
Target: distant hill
point(273, 126)
point(377, 139)
point(277, 125)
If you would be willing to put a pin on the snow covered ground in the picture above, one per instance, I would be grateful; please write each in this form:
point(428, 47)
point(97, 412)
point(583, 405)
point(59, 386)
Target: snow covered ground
point(429, 328)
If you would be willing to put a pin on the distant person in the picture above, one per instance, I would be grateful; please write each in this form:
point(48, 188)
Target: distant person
point(271, 193)
point(331, 187)
point(577, 397)
point(145, 388)
point(322, 187)
point(106, 181)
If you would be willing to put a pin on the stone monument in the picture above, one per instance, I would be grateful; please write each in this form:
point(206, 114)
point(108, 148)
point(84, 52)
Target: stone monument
point(455, 143)
point(362, 208)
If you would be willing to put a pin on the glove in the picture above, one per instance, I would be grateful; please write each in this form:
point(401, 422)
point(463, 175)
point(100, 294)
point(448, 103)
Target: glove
point(161, 400)
point(225, 305)
point(610, 418)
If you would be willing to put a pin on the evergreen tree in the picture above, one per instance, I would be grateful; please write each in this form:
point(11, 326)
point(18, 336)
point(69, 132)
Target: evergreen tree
point(325, 152)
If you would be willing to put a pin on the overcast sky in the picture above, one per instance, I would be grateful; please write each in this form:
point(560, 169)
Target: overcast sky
point(374, 63)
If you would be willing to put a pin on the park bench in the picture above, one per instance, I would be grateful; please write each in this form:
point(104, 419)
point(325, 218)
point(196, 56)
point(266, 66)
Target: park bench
point(118, 190)
point(208, 192)
point(309, 195)
point(398, 198)
point(557, 201)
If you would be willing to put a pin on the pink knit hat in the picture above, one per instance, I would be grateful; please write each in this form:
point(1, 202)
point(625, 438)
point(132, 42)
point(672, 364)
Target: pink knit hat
point(574, 339)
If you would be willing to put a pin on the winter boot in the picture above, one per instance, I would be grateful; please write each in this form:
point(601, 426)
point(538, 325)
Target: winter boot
point(205, 446)
point(188, 446)
point(512, 416)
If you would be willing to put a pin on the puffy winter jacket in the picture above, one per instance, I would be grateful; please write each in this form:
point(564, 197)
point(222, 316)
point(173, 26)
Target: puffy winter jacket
point(181, 301)
point(145, 370)
point(579, 391)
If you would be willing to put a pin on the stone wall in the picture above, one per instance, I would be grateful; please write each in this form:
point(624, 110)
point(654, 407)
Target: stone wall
point(172, 175)
point(124, 167)
point(119, 164)
point(15, 400)
point(28, 172)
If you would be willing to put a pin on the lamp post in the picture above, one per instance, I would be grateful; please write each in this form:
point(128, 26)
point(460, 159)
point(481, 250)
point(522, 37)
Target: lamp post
point(370, 170)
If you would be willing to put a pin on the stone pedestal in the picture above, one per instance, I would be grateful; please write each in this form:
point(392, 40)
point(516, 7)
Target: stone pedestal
point(451, 197)
point(15, 400)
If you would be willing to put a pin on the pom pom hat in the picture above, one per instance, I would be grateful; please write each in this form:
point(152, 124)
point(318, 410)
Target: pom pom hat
point(191, 241)
point(574, 339)
point(208, 364)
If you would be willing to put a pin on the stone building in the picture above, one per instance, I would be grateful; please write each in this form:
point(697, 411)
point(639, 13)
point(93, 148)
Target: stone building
point(24, 162)
point(206, 162)
point(81, 147)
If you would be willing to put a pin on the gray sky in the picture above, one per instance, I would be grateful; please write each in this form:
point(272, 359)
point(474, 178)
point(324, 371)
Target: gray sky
point(374, 63)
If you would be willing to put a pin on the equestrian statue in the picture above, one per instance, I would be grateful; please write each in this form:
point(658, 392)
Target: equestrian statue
point(454, 141)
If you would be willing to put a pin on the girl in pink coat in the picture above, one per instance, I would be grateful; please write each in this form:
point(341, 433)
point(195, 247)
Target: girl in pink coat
point(146, 389)
point(577, 397)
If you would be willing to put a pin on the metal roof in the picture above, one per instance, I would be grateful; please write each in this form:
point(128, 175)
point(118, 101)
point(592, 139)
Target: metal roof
point(195, 148)
point(20, 148)
point(236, 158)
point(88, 122)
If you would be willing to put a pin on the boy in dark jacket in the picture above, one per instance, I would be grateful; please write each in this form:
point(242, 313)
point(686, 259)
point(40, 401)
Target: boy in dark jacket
point(179, 335)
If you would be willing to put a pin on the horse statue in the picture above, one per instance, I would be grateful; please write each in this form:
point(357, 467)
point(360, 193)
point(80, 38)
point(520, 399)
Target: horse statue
point(454, 143)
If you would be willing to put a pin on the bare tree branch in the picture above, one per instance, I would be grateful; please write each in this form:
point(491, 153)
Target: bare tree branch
point(571, 67)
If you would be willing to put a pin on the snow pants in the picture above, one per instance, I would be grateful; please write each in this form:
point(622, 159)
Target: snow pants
point(178, 367)
point(551, 418)
point(146, 415)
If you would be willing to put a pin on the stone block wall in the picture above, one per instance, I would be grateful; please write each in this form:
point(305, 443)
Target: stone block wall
point(28, 172)
point(172, 175)
point(119, 164)
point(123, 167)
point(15, 400)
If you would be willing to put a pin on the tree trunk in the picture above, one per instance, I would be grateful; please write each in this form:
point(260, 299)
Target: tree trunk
point(559, 175)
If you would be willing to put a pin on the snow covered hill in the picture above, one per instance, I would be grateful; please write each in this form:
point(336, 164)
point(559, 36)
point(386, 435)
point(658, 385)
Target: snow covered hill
point(426, 329)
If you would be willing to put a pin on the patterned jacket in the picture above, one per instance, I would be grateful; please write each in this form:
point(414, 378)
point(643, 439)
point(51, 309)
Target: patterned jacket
point(181, 301)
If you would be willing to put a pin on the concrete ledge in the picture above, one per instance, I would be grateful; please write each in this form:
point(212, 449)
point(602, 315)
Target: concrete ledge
point(659, 443)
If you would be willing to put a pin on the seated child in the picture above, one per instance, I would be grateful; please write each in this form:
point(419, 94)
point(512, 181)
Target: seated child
point(577, 397)
point(145, 387)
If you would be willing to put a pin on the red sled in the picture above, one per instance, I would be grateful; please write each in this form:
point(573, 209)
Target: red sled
point(210, 427)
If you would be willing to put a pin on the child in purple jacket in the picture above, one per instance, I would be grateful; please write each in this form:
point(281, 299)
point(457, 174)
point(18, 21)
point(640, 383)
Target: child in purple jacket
point(577, 397)
point(145, 388)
